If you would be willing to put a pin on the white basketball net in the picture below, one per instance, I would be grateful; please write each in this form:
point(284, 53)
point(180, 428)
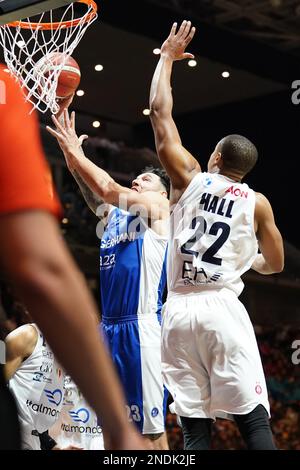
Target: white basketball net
point(28, 52)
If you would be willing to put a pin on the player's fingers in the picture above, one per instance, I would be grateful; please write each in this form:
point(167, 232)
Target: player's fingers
point(173, 30)
point(73, 120)
point(187, 29)
point(58, 125)
point(53, 132)
point(82, 138)
point(187, 55)
point(60, 118)
point(181, 30)
point(190, 35)
point(67, 119)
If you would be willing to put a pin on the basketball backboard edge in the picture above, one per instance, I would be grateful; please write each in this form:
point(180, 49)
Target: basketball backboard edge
point(14, 10)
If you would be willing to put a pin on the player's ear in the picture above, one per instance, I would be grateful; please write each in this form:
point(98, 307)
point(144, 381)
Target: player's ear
point(219, 160)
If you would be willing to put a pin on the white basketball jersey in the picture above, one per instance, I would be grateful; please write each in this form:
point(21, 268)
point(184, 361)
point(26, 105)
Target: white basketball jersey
point(38, 388)
point(213, 240)
point(77, 424)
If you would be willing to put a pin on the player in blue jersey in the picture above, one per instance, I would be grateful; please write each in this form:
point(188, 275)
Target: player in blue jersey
point(132, 276)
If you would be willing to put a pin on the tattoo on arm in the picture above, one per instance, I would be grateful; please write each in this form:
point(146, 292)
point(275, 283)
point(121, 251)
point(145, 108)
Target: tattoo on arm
point(92, 200)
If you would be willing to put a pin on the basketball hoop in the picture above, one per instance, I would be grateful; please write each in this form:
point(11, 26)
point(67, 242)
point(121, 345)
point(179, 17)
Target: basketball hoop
point(29, 45)
point(60, 24)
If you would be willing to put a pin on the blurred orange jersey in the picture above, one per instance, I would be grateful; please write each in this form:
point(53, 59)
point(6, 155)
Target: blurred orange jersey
point(25, 177)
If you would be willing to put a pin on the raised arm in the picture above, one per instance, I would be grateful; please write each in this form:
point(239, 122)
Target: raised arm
point(271, 258)
point(98, 181)
point(93, 201)
point(178, 162)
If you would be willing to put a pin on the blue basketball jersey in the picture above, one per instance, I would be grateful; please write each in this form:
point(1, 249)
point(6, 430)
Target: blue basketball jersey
point(132, 268)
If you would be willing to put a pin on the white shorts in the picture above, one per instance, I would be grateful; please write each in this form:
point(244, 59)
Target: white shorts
point(210, 359)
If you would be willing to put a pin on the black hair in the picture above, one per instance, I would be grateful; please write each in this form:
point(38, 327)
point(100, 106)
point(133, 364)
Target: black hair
point(238, 153)
point(162, 174)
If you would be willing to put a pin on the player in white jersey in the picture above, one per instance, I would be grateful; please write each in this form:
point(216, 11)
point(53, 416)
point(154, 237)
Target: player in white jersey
point(211, 361)
point(77, 424)
point(132, 277)
point(36, 381)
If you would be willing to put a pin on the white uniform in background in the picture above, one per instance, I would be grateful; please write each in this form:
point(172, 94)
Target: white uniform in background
point(77, 424)
point(38, 389)
point(211, 362)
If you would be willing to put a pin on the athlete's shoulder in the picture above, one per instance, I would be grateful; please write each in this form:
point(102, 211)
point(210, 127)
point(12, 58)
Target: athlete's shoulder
point(261, 201)
point(27, 332)
point(260, 197)
point(195, 183)
point(263, 206)
point(22, 340)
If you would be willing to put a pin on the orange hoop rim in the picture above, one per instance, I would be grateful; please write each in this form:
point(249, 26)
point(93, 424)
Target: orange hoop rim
point(62, 24)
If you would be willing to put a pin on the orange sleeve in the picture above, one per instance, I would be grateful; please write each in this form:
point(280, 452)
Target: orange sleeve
point(25, 177)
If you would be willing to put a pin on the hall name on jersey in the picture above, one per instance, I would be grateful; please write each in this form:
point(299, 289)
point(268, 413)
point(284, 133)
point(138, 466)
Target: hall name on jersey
point(217, 205)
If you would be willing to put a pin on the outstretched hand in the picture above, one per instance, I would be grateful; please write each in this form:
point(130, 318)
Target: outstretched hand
point(66, 136)
point(175, 45)
point(64, 104)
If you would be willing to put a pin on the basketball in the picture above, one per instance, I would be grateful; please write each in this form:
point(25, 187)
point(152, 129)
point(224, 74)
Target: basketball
point(69, 77)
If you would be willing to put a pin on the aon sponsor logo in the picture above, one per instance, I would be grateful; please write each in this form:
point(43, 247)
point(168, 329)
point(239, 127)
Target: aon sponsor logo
point(237, 192)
